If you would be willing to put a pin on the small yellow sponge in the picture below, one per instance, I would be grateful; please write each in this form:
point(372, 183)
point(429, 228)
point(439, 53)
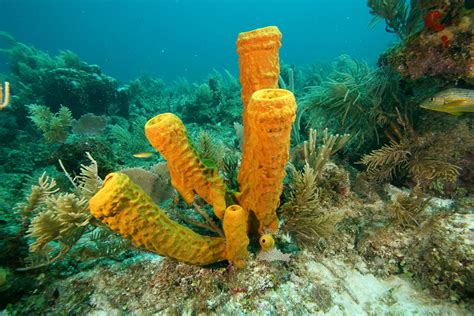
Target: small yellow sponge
point(129, 211)
point(235, 229)
point(267, 242)
point(189, 175)
point(271, 115)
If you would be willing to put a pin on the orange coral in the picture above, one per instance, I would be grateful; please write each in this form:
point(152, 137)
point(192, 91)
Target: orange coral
point(128, 210)
point(271, 115)
point(189, 175)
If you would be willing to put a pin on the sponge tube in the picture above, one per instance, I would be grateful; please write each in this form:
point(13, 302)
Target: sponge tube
point(189, 175)
point(271, 115)
point(128, 210)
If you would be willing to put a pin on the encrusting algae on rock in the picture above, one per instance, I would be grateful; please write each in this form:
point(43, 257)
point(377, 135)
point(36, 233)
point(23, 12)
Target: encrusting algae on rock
point(268, 116)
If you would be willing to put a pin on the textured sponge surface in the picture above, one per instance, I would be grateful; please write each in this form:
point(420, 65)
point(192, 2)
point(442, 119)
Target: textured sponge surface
point(271, 115)
point(189, 175)
point(127, 210)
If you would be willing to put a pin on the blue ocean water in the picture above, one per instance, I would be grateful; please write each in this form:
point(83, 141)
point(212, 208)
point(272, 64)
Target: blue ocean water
point(189, 38)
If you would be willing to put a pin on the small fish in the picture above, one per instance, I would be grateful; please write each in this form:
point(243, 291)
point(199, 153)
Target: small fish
point(143, 155)
point(453, 101)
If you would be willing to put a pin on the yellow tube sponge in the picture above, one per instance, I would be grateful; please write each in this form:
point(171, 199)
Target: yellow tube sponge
point(267, 242)
point(129, 211)
point(189, 175)
point(235, 231)
point(258, 60)
point(271, 115)
point(259, 69)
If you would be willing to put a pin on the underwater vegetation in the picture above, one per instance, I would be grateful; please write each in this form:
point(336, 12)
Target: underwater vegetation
point(401, 17)
point(63, 217)
point(52, 125)
point(310, 205)
point(429, 160)
point(305, 218)
point(354, 99)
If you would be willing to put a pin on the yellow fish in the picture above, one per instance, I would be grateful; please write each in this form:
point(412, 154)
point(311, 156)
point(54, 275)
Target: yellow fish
point(143, 155)
point(453, 101)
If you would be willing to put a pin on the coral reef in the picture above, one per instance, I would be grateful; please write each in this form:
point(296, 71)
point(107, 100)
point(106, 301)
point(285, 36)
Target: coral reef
point(440, 49)
point(64, 79)
point(309, 286)
point(358, 201)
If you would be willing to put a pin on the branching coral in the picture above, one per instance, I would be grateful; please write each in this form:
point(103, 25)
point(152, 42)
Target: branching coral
point(230, 170)
point(303, 217)
point(53, 126)
point(46, 186)
point(318, 155)
point(427, 159)
point(60, 219)
point(130, 138)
